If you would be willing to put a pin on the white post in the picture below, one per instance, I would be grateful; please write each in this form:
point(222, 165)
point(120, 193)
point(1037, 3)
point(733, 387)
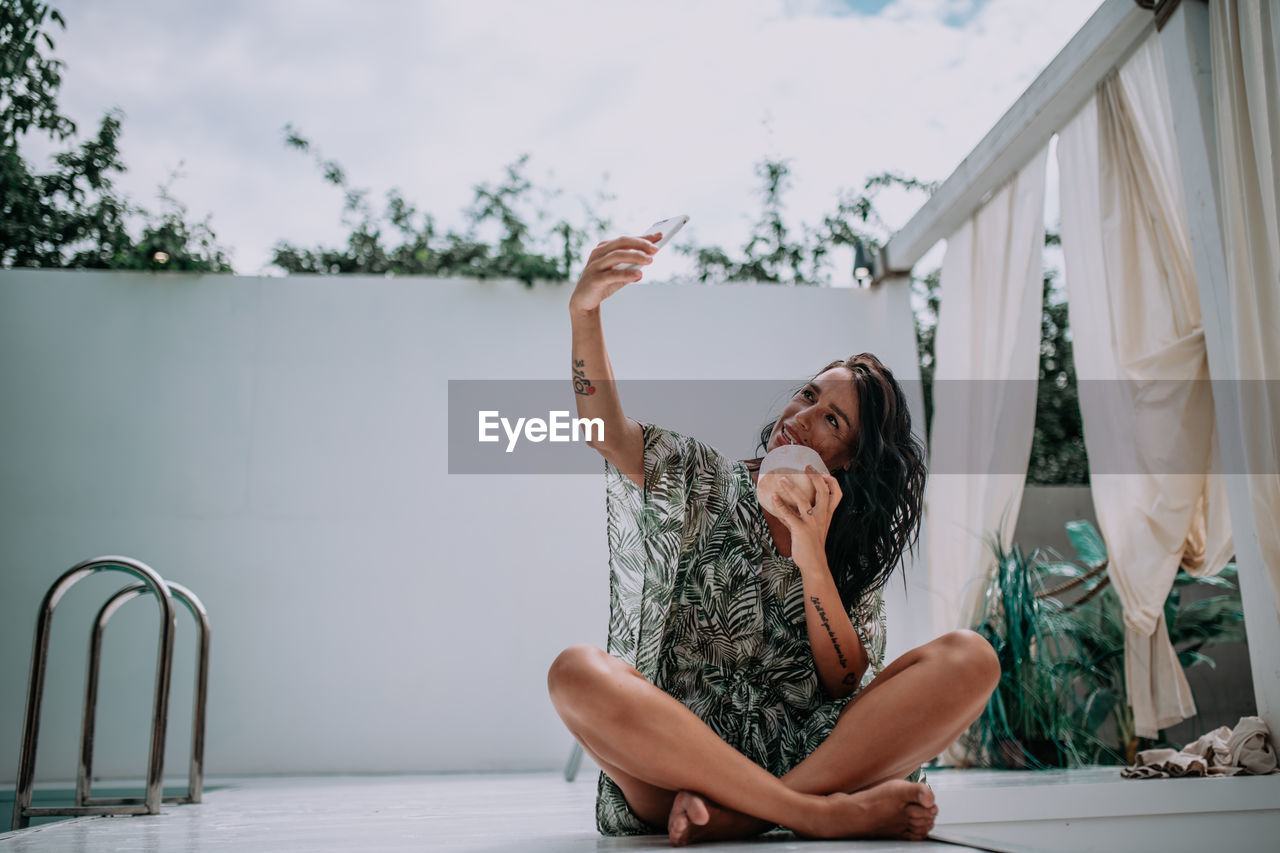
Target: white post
point(1185, 40)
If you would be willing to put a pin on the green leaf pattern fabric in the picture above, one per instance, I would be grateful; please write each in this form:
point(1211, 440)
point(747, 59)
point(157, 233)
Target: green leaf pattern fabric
point(704, 607)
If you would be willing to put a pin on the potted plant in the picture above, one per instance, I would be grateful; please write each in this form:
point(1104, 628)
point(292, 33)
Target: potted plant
point(1058, 629)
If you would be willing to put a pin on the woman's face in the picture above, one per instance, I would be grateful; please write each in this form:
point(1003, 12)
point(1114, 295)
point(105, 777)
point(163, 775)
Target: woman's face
point(823, 415)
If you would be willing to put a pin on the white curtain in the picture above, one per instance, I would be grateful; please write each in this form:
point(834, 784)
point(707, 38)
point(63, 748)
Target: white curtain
point(1245, 50)
point(987, 355)
point(1139, 349)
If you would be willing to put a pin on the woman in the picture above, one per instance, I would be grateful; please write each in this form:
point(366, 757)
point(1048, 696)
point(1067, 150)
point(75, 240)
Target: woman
point(739, 695)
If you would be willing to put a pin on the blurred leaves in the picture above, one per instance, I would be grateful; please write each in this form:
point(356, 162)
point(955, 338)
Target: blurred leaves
point(73, 216)
point(775, 254)
point(510, 232)
point(1057, 445)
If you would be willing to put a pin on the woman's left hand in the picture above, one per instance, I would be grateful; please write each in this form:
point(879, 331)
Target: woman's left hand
point(808, 523)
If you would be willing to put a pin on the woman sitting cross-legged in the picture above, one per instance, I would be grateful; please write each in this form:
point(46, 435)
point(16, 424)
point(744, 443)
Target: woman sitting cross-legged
point(744, 690)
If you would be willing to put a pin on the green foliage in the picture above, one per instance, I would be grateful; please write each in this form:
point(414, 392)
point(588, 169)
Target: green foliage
point(1062, 660)
point(1057, 447)
point(401, 241)
point(927, 297)
point(73, 216)
point(29, 96)
point(1025, 723)
point(773, 254)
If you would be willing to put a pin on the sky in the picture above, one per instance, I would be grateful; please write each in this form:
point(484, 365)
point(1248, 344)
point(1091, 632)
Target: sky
point(664, 107)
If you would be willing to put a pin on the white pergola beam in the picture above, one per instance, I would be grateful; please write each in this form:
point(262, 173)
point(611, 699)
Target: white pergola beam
point(1109, 36)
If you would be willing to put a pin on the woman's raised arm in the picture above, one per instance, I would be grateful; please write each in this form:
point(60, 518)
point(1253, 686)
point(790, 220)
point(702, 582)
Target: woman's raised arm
point(593, 382)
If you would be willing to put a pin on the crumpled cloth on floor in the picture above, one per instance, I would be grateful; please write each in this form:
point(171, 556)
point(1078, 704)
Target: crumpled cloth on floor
point(1222, 752)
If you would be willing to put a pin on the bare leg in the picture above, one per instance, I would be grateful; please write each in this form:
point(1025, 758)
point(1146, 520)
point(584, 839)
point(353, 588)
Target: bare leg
point(658, 747)
point(892, 727)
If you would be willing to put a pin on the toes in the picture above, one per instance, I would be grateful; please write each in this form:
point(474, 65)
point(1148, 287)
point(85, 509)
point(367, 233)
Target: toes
point(922, 828)
point(924, 795)
point(678, 828)
point(696, 809)
point(678, 832)
point(914, 811)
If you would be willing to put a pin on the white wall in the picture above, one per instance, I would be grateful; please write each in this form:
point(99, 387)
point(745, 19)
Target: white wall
point(279, 446)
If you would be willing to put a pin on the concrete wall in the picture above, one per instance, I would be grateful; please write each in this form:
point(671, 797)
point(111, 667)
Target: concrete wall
point(1045, 512)
point(279, 446)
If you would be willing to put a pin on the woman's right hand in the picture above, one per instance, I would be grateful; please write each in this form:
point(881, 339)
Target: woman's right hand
point(601, 276)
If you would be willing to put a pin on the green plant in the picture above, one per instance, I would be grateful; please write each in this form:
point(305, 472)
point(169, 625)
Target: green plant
point(506, 235)
point(1025, 723)
point(72, 215)
point(1061, 650)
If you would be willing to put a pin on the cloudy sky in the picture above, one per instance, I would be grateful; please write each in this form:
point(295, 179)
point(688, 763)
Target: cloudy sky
point(664, 105)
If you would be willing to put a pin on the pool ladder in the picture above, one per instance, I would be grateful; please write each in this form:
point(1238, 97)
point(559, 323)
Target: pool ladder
point(147, 582)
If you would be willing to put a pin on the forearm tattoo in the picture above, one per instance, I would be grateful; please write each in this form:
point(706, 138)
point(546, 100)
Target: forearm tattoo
point(581, 385)
point(822, 614)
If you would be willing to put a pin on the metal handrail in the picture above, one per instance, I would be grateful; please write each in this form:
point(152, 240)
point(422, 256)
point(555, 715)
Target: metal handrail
point(195, 777)
point(23, 811)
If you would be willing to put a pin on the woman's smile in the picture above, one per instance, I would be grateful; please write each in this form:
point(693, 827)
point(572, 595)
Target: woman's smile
point(785, 437)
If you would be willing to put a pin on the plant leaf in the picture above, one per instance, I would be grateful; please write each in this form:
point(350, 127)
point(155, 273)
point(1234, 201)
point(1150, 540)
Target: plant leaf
point(1189, 658)
point(1087, 542)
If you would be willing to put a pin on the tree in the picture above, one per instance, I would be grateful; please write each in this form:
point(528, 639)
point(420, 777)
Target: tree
point(1057, 448)
point(73, 216)
point(772, 255)
point(507, 209)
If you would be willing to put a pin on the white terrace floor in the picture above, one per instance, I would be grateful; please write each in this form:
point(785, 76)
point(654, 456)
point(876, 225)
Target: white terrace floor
point(1019, 812)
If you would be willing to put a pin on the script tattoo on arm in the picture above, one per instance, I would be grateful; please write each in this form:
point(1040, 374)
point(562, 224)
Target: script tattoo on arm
point(581, 385)
point(822, 614)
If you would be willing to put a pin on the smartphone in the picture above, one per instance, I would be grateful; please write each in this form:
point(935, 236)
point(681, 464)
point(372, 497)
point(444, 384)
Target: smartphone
point(667, 227)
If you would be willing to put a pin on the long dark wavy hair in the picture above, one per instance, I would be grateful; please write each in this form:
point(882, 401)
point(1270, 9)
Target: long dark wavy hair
point(878, 517)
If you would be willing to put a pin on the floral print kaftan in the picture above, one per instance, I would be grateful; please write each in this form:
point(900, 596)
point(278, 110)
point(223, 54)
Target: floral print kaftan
point(704, 607)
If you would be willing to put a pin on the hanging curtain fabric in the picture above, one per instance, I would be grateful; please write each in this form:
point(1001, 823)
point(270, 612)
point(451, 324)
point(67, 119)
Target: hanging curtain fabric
point(1145, 399)
point(1245, 50)
point(984, 391)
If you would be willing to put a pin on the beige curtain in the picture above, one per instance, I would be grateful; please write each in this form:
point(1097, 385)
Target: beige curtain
point(984, 391)
point(1245, 49)
point(1139, 348)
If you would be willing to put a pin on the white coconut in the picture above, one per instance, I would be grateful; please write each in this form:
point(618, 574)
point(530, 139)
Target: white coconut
point(787, 461)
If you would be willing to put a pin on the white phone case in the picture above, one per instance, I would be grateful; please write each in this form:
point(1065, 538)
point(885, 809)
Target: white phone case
point(667, 227)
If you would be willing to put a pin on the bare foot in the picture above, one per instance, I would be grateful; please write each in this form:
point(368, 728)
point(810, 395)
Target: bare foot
point(695, 818)
point(896, 809)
